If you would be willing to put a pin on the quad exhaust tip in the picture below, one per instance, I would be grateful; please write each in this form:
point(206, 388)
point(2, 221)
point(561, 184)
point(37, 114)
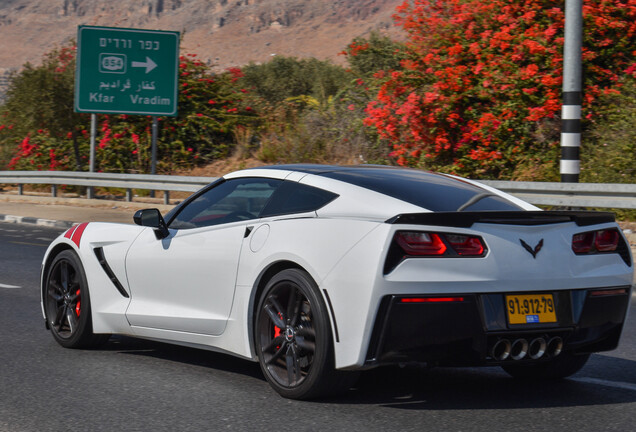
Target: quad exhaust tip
point(537, 348)
point(501, 350)
point(555, 346)
point(519, 349)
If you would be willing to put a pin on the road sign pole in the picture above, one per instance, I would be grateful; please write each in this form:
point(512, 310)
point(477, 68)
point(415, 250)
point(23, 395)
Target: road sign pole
point(572, 92)
point(153, 164)
point(89, 191)
point(127, 71)
point(155, 131)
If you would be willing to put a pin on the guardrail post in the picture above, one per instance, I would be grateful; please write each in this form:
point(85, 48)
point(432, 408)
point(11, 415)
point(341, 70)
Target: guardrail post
point(166, 197)
point(20, 189)
point(54, 191)
point(129, 195)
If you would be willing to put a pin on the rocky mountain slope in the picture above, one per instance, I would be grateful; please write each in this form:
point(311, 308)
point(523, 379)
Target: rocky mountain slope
point(224, 32)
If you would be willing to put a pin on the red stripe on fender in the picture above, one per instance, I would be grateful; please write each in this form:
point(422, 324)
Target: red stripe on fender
point(77, 235)
point(69, 233)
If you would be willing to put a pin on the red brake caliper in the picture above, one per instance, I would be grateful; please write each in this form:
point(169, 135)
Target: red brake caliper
point(77, 306)
point(277, 330)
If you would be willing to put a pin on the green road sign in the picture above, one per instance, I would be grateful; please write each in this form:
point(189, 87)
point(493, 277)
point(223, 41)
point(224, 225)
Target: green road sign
point(126, 71)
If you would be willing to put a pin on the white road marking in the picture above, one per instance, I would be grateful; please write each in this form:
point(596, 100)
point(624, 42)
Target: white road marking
point(606, 383)
point(13, 219)
point(46, 222)
point(9, 286)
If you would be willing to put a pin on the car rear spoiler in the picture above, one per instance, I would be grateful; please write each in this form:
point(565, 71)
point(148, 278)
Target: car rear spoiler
point(467, 219)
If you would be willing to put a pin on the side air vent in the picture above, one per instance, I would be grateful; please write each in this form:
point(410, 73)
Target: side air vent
point(99, 253)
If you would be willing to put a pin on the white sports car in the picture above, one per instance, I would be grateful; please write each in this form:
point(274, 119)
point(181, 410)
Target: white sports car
point(317, 271)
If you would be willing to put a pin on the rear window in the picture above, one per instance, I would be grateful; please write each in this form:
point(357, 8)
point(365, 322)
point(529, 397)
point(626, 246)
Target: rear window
point(292, 197)
point(427, 190)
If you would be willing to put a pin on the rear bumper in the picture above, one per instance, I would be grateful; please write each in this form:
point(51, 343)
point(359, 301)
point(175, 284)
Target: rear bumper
point(464, 333)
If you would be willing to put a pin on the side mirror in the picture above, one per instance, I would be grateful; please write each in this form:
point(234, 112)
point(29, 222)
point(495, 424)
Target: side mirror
point(152, 218)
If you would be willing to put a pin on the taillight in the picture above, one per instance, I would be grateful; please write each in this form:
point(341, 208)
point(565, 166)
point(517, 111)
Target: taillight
point(592, 242)
point(426, 244)
point(420, 243)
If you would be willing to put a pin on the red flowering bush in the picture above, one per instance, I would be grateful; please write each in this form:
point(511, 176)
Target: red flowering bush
point(481, 90)
point(39, 151)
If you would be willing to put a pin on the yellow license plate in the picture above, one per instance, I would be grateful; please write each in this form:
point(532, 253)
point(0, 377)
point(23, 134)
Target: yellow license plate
point(530, 309)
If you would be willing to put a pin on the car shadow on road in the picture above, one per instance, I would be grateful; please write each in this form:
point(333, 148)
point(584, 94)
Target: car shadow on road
point(413, 388)
point(491, 388)
point(184, 355)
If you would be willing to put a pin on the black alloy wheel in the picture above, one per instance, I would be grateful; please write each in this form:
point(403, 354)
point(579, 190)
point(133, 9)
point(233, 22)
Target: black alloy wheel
point(293, 338)
point(67, 304)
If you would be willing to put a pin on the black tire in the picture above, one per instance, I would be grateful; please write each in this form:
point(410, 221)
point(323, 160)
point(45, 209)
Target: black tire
point(67, 303)
point(293, 338)
point(562, 366)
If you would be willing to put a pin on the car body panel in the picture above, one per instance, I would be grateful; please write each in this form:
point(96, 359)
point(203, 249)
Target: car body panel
point(184, 282)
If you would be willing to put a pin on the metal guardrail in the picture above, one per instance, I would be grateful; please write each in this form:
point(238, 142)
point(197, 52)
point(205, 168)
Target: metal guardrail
point(602, 195)
point(165, 183)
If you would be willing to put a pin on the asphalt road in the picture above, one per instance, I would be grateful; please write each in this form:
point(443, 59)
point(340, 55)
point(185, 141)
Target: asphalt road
point(136, 385)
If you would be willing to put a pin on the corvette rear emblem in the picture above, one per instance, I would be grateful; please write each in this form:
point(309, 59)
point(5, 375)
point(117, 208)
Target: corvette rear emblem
point(534, 251)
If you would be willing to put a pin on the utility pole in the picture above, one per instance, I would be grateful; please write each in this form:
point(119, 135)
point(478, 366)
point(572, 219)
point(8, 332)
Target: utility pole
point(572, 92)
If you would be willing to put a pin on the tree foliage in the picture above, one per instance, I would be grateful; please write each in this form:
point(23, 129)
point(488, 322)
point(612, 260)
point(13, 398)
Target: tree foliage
point(608, 153)
point(285, 77)
point(480, 91)
point(368, 56)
